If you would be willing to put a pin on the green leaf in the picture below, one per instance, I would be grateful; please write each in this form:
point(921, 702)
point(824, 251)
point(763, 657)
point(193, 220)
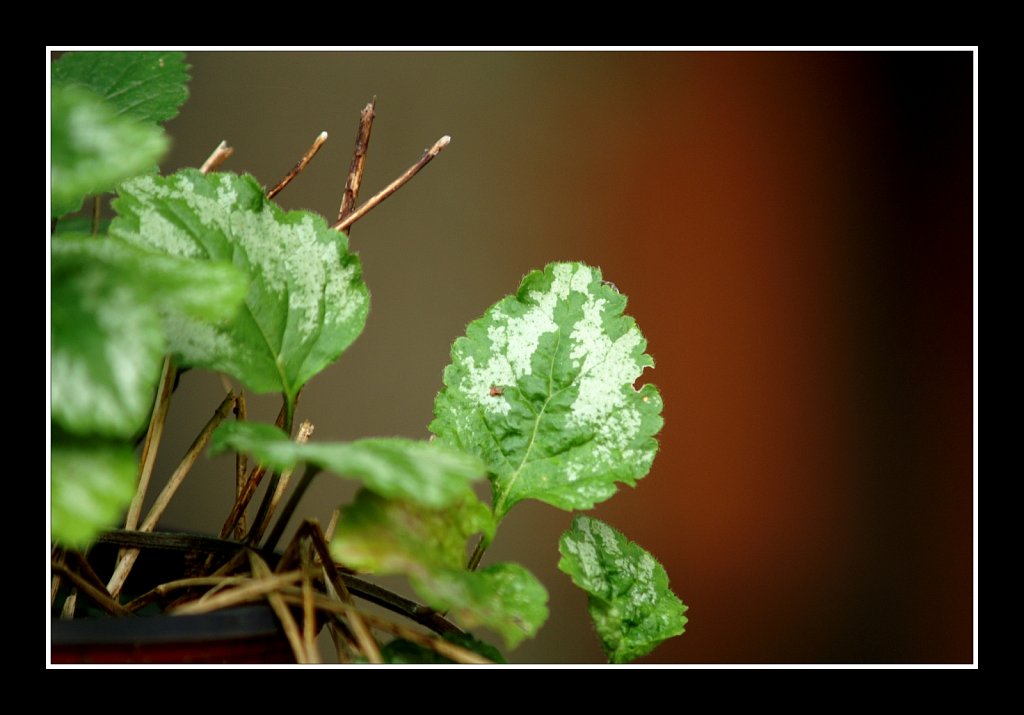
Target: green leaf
point(405, 652)
point(306, 302)
point(423, 473)
point(429, 545)
point(90, 486)
point(381, 535)
point(506, 598)
point(150, 86)
point(179, 286)
point(92, 149)
point(633, 608)
point(541, 389)
point(107, 348)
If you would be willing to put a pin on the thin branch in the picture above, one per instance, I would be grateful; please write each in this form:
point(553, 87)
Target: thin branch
point(305, 431)
point(419, 613)
point(332, 524)
point(241, 467)
point(478, 553)
point(152, 442)
point(341, 592)
point(164, 589)
point(289, 507)
point(394, 186)
point(355, 169)
point(251, 485)
point(438, 645)
point(309, 628)
point(102, 600)
point(291, 630)
point(124, 566)
point(254, 589)
point(68, 611)
point(86, 571)
point(56, 554)
point(218, 157)
point(297, 169)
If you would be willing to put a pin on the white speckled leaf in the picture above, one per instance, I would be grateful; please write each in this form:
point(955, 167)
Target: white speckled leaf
point(633, 608)
point(424, 473)
point(541, 389)
point(306, 302)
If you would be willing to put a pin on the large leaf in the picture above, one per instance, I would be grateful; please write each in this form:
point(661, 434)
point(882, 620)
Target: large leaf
point(203, 289)
point(92, 149)
point(422, 473)
point(506, 598)
point(541, 389)
point(381, 535)
point(630, 601)
point(107, 347)
point(306, 302)
point(145, 85)
point(90, 486)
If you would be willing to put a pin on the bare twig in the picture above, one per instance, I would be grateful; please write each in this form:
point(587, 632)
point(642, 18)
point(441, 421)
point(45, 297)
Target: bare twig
point(152, 442)
point(332, 524)
point(305, 431)
point(164, 589)
point(124, 566)
point(335, 583)
point(355, 169)
point(289, 508)
point(394, 186)
point(297, 169)
point(218, 157)
point(56, 554)
point(252, 589)
point(308, 610)
point(438, 645)
point(241, 466)
point(478, 553)
point(101, 598)
point(67, 612)
point(291, 630)
point(251, 484)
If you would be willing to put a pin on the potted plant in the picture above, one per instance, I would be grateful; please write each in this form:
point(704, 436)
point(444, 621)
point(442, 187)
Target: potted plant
point(202, 270)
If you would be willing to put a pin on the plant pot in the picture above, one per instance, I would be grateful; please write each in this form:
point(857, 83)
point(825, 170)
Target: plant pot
point(247, 634)
point(243, 634)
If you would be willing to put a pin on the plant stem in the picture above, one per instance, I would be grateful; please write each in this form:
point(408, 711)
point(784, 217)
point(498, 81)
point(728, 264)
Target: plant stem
point(95, 215)
point(263, 519)
point(124, 566)
point(68, 611)
point(218, 157)
point(394, 186)
point(355, 169)
point(478, 553)
point(297, 169)
point(251, 589)
point(289, 507)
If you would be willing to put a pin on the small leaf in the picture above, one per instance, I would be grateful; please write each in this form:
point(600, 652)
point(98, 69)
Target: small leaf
point(150, 86)
point(306, 302)
point(418, 472)
point(401, 651)
point(633, 608)
point(92, 149)
point(379, 535)
point(506, 598)
point(107, 348)
point(90, 487)
point(541, 389)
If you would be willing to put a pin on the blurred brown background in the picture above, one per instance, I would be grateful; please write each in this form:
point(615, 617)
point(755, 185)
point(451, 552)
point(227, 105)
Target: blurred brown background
point(794, 231)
